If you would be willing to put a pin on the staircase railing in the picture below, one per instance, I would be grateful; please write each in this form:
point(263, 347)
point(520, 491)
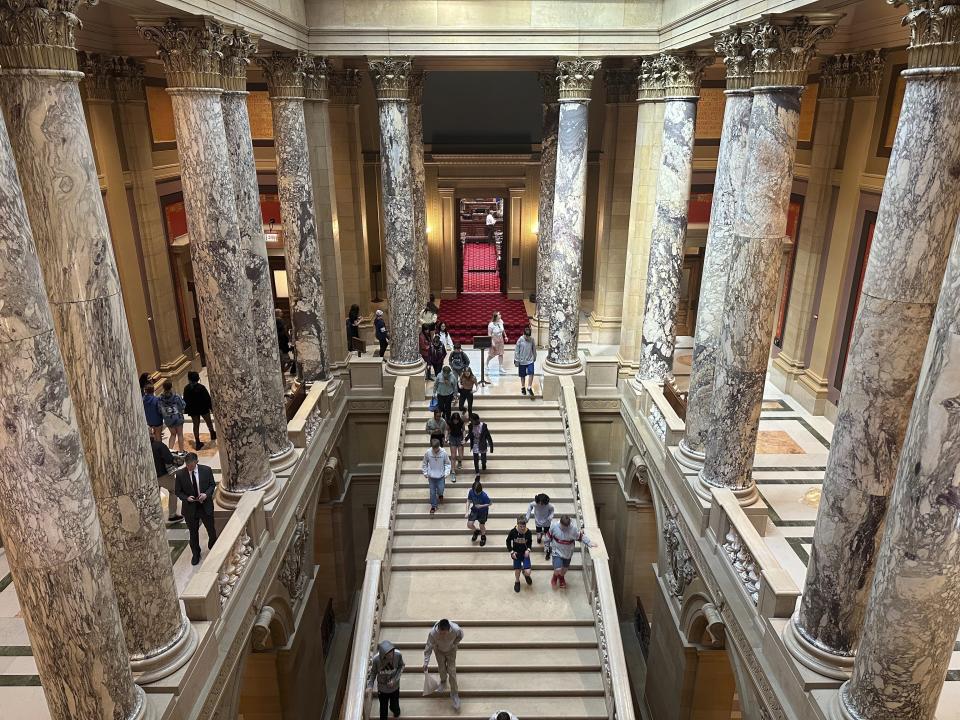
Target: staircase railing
point(596, 565)
point(376, 578)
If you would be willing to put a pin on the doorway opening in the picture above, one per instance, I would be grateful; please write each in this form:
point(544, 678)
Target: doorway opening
point(480, 228)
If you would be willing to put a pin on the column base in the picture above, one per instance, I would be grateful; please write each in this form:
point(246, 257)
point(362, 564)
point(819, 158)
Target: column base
point(839, 709)
point(745, 496)
point(394, 368)
point(282, 459)
point(688, 457)
point(168, 660)
point(229, 499)
point(144, 710)
point(571, 368)
point(822, 662)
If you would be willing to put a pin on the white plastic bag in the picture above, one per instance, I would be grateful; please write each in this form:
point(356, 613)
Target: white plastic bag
point(430, 686)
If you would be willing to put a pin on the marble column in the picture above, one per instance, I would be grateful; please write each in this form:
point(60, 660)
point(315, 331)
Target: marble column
point(390, 81)
point(783, 48)
point(913, 614)
point(548, 176)
point(53, 540)
point(918, 210)
point(681, 75)
point(190, 53)
point(41, 101)
point(731, 165)
point(285, 81)
point(418, 184)
point(237, 51)
point(575, 80)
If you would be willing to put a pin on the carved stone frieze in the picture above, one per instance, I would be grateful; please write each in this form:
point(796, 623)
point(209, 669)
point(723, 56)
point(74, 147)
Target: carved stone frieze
point(344, 86)
point(317, 79)
point(285, 73)
point(681, 73)
point(98, 71)
point(934, 32)
point(621, 84)
point(239, 46)
point(39, 34)
point(190, 50)
point(737, 56)
point(681, 570)
point(292, 574)
point(575, 78)
point(232, 570)
point(390, 76)
point(128, 81)
point(649, 83)
point(784, 47)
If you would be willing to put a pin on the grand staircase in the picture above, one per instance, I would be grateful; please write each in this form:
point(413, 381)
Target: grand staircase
point(536, 653)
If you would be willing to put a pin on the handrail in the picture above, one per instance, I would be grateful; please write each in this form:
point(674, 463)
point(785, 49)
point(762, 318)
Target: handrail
point(596, 564)
point(376, 577)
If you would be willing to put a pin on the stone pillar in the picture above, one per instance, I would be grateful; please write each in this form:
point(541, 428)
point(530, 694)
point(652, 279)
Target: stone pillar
point(237, 51)
point(548, 177)
point(918, 211)
point(135, 128)
point(418, 185)
point(390, 80)
point(731, 164)
point(646, 166)
point(316, 114)
point(48, 133)
point(681, 76)
point(285, 81)
point(913, 614)
point(575, 79)
point(760, 224)
point(53, 541)
point(190, 53)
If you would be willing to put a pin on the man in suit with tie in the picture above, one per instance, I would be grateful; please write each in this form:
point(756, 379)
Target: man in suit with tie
point(195, 487)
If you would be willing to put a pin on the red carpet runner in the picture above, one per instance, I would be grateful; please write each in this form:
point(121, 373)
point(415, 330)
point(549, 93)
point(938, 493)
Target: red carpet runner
point(480, 269)
point(468, 315)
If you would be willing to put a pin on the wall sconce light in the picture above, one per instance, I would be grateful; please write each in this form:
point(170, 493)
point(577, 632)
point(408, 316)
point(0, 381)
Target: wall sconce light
point(536, 228)
point(429, 229)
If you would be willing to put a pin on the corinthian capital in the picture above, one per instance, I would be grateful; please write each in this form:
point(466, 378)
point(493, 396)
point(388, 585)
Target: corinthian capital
point(575, 77)
point(39, 34)
point(851, 74)
point(551, 90)
point(784, 47)
point(934, 32)
point(736, 56)
point(649, 81)
point(317, 79)
point(98, 71)
point(415, 87)
point(285, 73)
point(344, 85)
point(390, 76)
point(190, 50)
point(128, 80)
point(867, 72)
point(238, 47)
point(681, 73)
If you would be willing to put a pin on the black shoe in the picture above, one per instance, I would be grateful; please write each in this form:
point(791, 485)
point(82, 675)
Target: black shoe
point(539, 539)
point(213, 436)
point(197, 445)
point(483, 540)
point(529, 579)
point(175, 519)
point(523, 391)
point(531, 393)
point(211, 543)
point(196, 561)
point(476, 534)
point(516, 586)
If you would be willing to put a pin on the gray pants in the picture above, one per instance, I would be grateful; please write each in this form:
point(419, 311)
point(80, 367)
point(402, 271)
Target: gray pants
point(447, 664)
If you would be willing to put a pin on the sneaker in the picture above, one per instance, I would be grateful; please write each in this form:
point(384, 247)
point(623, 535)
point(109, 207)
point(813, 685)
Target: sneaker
point(440, 497)
point(553, 580)
point(546, 553)
point(432, 510)
point(455, 698)
point(539, 538)
point(483, 540)
point(459, 464)
point(529, 579)
point(516, 586)
point(523, 391)
point(175, 518)
point(476, 534)
point(531, 394)
point(197, 445)
point(453, 479)
point(561, 582)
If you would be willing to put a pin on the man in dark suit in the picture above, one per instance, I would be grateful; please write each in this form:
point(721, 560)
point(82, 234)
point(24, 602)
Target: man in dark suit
point(195, 487)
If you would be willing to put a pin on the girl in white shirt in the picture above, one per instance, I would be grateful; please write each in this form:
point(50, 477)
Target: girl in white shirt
point(498, 336)
point(445, 338)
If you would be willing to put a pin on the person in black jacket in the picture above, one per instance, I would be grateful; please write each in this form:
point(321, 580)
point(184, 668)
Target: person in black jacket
point(195, 486)
point(353, 323)
point(166, 464)
point(519, 541)
point(197, 399)
point(380, 327)
point(480, 442)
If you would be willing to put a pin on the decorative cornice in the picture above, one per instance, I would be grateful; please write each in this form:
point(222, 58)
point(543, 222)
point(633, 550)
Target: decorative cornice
point(238, 47)
point(551, 88)
point(191, 51)
point(285, 73)
point(390, 76)
point(737, 56)
point(317, 78)
point(415, 87)
point(648, 81)
point(98, 71)
point(344, 86)
point(934, 32)
point(39, 34)
point(128, 80)
point(681, 73)
point(784, 47)
point(575, 78)
point(621, 85)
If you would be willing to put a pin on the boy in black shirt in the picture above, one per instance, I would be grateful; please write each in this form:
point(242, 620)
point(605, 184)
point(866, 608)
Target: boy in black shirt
point(519, 541)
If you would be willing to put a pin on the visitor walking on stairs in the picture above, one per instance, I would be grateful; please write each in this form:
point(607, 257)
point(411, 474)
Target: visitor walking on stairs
point(426, 341)
point(436, 354)
point(435, 468)
point(480, 442)
point(498, 336)
point(525, 357)
point(478, 509)
point(443, 640)
point(172, 407)
point(445, 338)
point(468, 382)
point(563, 537)
point(380, 329)
point(541, 511)
point(386, 668)
point(436, 427)
point(519, 541)
point(444, 389)
point(455, 431)
point(503, 715)
point(198, 405)
point(151, 410)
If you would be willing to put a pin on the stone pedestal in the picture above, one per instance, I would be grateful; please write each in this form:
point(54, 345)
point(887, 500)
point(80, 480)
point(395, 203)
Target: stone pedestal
point(418, 184)
point(189, 53)
point(575, 78)
point(237, 51)
point(548, 177)
point(48, 133)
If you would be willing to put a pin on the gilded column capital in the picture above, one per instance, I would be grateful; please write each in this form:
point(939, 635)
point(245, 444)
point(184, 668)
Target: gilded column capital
point(784, 47)
point(934, 32)
point(551, 88)
point(391, 76)
point(285, 73)
point(98, 71)
point(737, 56)
point(317, 79)
point(191, 51)
point(238, 47)
point(621, 84)
point(344, 86)
point(650, 87)
point(128, 80)
point(681, 73)
point(575, 78)
point(39, 34)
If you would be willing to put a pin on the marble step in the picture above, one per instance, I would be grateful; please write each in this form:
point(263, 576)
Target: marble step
point(502, 428)
point(491, 477)
point(443, 543)
point(491, 416)
point(536, 440)
point(481, 708)
point(452, 523)
point(497, 493)
point(509, 681)
point(468, 560)
point(494, 659)
point(509, 452)
point(504, 465)
point(500, 402)
point(488, 633)
point(413, 509)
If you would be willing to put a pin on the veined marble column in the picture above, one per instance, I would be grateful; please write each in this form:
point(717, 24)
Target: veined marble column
point(548, 177)
point(41, 101)
point(681, 76)
point(418, 185)
point(760, 224)
point(49, 518)
point(390, 80)
point(285, 78)
point(575, 79)
point(190, 53)
point(918, 211)
point(731, 164)
point(237, 51)
point(913, 614)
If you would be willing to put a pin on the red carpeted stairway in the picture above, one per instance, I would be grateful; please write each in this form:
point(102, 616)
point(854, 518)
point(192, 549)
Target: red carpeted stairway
point(480, 269)
point(469, 314)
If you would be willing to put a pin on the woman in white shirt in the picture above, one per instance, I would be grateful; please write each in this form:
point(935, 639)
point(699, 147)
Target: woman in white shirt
point(445, 339)
point(498, 337)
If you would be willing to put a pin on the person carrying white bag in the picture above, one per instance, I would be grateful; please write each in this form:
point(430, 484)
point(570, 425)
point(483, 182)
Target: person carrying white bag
point(443, 640)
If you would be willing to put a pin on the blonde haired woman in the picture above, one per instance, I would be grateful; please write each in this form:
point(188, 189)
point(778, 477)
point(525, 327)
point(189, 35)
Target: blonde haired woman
point(498, 336)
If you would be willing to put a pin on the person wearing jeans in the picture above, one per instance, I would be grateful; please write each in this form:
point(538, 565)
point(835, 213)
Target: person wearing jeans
point(435, 468)
point(480, 442)
point(443, 640)
point(445, 388)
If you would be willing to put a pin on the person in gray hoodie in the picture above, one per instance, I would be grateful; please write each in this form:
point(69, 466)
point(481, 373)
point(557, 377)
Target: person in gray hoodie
point(443, 640)
point(525, 357)
point(386, 667)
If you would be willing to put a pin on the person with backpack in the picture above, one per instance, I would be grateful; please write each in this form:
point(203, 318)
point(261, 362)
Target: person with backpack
point(525, 358)
point(198, 405)
point(480, 442)
point(151, 410)
point(541, 511)
point(563, 536)
point(172, 407)
point(519, 541)
point(444, 389)
point(380, 329)
point(386, 669)
point(478, 510)
point(458, 360)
